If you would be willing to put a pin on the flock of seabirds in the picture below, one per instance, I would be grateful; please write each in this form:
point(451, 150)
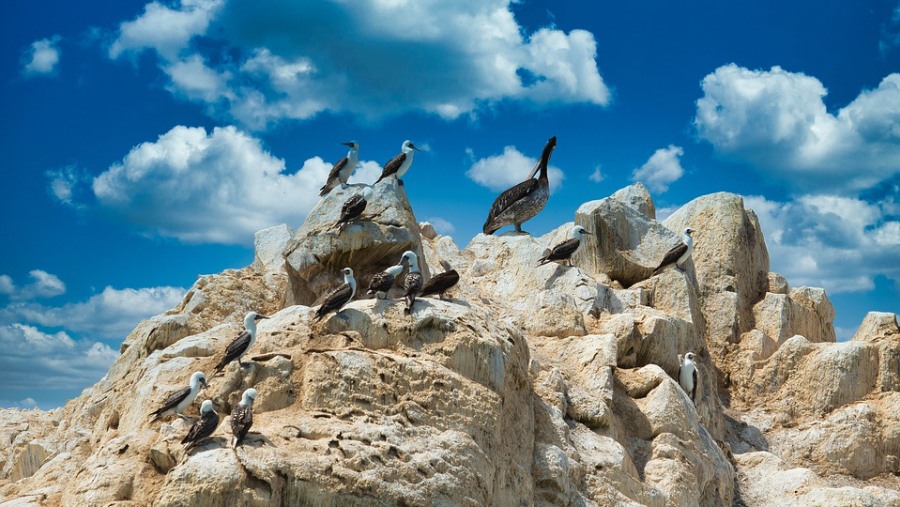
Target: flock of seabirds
point(512, 207)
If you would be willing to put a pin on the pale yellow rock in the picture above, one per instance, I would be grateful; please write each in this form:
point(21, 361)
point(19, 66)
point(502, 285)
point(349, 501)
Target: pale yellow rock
point(545, 386)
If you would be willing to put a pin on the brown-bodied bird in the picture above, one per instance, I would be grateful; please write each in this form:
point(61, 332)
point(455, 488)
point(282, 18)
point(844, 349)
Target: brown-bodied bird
point(564, 251)
point(342, 169)
point(398, 165)
point(413, 281)
point(523, 201)
point(679, 253)
point(353, 207)
point(242, 417)
point(204, 427)
point(240, 345)
point(382, 282)
point(182, 398)
point(441, 282)
point(337, 298)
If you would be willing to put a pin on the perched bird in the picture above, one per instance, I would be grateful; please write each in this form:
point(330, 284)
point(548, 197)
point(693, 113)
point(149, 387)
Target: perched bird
point(182, 398)
point(342, 170)
point(413, 281)
point(240, 345)
point(382, 282)
point(337, 298)
point(687, 375)
point(204, 427)
point(679, 253)
point(242, 417)
point(441, 282)
point(523, 201)
point(565, 250)
point(398, 165)
point(353, 207)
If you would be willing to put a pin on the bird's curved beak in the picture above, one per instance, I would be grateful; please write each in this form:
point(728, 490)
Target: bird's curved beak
point(204, 384)
point(411, 145)
point(258, 317)
point(589, 233)
point(348, 143)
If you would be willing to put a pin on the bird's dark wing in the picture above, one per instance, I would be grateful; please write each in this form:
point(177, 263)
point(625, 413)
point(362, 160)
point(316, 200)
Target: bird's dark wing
point(241, 420)
point(562, 251)
point(170, 403)
point(237, 347)
point(413, 283)
point(353, 207)
point(381, 282)
point(392, 166)
point(440, 283)
point(694, 390)
point(332, 180)
point(507, 199)
point(335, 300)
point(672, 256)
point(204, 427)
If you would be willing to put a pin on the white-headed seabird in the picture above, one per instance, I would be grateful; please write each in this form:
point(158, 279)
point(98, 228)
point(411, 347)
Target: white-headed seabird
point(679, 253)
point(338, 297)
point(398, 165)
point(182, 398)
point(354, 207)
point(342, 170)
point(441, 282)
point(523, 201)
point(565, 250)
point(382, 282)
point(242, 417)
point(687, 375)
point(203, 427)
point(240, 345)
point(413, 281)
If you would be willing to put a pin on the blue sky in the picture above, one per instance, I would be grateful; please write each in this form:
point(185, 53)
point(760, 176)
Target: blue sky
point(144, 143)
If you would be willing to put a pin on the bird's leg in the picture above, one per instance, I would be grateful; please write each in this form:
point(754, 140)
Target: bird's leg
point(344, 186)
point(519, 228)
point(399, 182)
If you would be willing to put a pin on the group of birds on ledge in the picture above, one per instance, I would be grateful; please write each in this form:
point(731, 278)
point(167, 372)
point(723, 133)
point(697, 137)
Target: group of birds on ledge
point(512, 207)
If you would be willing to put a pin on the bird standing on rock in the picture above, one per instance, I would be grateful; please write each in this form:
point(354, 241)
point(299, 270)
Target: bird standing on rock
point(242, 417)
point(679, 254)
point(441, 282)
point(240, 345)
point(687, 375)
point(413, 281)
point(565, 250)
point(398, 165)
point(382, 282)
point(181, 399)
point(523, 201)
point(337, 298)
point(342, 170)
point(204, 427)
point(354, 207)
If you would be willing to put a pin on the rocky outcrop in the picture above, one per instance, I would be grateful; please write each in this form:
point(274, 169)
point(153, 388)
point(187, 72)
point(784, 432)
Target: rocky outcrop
point(530, 385)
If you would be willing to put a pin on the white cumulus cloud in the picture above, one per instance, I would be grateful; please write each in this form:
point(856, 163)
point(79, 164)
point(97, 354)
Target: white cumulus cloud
point(295, 61)
point(42, 57)
point(662, 169)
point(208, 187)
point(839, 243)
point(43, 285)
point(500, 172)
point(777, 122)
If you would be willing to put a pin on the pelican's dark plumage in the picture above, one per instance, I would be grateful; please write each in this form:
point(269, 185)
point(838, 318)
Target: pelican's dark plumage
point(523, 201)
